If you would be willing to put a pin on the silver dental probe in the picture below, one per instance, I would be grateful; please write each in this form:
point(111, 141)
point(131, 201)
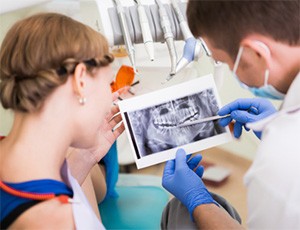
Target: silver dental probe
point(186, 32)
point(146, 32)
point(169, 37)
point(192, 47)
point(201, 120)
point(126, 35)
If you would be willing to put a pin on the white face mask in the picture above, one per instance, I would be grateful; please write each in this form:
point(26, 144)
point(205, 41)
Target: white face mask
point(266, 90)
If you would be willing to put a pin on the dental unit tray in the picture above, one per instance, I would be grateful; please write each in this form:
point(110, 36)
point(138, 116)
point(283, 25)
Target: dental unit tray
point(112, 30)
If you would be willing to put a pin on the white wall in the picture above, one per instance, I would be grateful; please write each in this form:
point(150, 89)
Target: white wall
point(6, 117)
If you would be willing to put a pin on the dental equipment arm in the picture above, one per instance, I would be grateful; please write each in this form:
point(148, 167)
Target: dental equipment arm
point(126, 35)
point(192, 48)
point(168, 35)
point(191, 52)
point(182, 22)
point(204, 46)
point(146, 32)
point(218, 66)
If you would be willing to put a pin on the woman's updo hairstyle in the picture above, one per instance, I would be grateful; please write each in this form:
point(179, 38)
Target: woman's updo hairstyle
point(40, 52)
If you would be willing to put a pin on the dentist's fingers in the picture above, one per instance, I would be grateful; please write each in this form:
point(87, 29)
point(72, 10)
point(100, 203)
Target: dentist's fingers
point(200, 171)
point(194, 162)
point(239, 104)
point(180, 159)
point(169, 168)
point(225, 121)
point(237, 129)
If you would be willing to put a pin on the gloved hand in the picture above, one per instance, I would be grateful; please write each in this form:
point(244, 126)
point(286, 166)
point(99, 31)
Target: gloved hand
point(246, 110)
point(185, 184)
point(193, 163)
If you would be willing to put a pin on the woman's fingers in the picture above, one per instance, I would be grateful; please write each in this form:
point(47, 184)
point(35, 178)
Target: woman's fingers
point(119, 130)
point(115, 95)
point(115, 120)
point(115, 109)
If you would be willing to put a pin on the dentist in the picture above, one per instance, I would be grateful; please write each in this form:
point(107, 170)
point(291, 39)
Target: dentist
point(260, 41)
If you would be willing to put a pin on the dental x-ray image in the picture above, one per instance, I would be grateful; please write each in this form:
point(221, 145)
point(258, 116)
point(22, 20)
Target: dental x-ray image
point(156, 129)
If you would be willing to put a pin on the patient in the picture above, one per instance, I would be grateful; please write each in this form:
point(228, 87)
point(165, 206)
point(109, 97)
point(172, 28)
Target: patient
point(55, 77)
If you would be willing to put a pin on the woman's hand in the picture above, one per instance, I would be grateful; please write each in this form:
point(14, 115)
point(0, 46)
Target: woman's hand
point(81, 161)
point(109, 131)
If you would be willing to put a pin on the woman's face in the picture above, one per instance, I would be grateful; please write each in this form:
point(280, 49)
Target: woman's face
point(99, 101)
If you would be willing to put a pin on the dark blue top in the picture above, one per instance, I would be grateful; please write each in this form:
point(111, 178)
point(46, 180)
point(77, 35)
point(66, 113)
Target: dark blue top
point(9, 202)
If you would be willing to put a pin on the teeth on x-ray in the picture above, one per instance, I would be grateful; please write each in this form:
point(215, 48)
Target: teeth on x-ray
point(171, 120)
point(174, 113)
point(159, 124)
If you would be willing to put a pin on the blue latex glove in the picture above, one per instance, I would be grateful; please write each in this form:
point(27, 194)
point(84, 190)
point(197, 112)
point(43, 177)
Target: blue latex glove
point(193, 164)
point(185, 184)
point(246, 110)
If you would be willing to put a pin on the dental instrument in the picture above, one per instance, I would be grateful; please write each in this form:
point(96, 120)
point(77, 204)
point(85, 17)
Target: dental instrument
point(204, 46)
point(186, 32)
point(169, 37)
point(126, 35)
point(207, 119)
point(146, 32)
point(191, 52)
point(192, 48)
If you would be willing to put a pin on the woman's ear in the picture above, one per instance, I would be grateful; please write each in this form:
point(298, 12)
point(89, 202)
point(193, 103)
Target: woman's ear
point(259, 48)
point(79, 80)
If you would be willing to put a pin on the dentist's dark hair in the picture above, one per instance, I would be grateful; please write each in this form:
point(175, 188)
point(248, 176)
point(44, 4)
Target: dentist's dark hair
point(227, 22)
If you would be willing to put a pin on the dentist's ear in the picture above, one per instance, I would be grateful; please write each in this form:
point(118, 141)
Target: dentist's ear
point(260, 49)
point(79, 80)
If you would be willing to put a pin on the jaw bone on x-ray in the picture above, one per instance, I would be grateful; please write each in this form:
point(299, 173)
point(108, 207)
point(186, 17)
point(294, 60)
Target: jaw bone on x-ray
point(156, 128)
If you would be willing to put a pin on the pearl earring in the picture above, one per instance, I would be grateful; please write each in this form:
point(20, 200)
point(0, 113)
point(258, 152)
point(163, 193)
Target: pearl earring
point(82, 100)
